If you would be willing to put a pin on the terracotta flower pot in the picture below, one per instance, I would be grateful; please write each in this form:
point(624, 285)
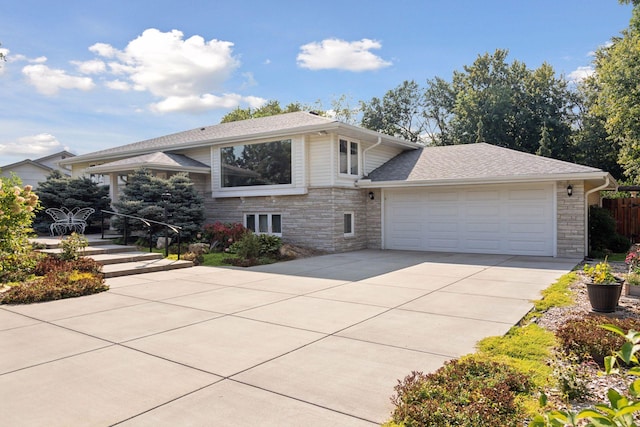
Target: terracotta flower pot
point(604, 297)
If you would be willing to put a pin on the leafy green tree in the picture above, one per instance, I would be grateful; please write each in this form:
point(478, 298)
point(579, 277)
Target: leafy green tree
point(72, 193)
point(618, 76)
point(591, 140)
point(398, 113)
point(493, 101)
point(271, 108)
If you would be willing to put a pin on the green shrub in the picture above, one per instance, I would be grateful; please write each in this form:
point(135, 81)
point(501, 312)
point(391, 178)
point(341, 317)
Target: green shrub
point(462, 393)
point(17, 209)
point(72, 246)
point(602, 227)
point(248, 247)
point(584, 337)
point(269, 245)
point(22, 267)
point(619, 244)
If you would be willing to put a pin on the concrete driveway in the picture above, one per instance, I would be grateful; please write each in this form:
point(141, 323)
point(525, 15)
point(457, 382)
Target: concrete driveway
point(314, 342)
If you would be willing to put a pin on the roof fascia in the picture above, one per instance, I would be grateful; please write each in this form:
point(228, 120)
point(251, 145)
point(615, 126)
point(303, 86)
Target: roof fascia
point(585, 176)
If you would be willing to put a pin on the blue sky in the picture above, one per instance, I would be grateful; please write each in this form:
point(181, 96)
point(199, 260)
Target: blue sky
point(88, 75)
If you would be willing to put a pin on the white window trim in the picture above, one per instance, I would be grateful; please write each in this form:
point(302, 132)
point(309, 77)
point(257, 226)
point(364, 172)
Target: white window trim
point(349, 142)
point(353, 223)
point(269, 222)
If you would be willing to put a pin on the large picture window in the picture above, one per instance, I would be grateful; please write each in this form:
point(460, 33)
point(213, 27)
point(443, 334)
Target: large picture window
point(349, 157)
point(267, 163)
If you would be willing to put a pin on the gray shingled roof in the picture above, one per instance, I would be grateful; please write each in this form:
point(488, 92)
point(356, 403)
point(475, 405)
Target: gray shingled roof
point(223, 131)
point(168, 161)
point(469, 162)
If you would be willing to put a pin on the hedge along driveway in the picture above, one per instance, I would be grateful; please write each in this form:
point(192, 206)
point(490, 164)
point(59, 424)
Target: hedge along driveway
point(317, 341)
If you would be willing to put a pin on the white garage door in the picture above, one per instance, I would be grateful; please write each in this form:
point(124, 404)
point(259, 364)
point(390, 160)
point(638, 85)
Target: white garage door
point(498, 219)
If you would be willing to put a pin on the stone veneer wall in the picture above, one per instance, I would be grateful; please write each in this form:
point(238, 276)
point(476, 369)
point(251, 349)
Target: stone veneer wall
point(570, 220)
point(374, 219)
point(314, 220)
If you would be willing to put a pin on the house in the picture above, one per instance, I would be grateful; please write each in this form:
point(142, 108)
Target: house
point(320, 183)
point(31, 172)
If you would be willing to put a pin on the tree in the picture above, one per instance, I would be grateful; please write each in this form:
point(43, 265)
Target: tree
point(617, 71)
point(493, 101)
point(142, 196)
point(398, 113)
point(72, 193)
point(186, 206)
point(271, 108)
point(591, 140)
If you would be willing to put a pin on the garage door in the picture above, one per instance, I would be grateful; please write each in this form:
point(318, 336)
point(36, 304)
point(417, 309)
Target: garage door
point(498, 219)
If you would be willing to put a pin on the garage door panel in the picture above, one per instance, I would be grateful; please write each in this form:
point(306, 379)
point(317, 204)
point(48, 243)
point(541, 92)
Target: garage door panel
point(440, 196)
point(482, 196)
point(503, 219)
point(442, 244)
point(482, 227)
point(442, 227)
point(483, 245)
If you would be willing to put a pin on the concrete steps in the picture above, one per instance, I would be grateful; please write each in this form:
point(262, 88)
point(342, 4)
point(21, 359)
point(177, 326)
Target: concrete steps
point(117, 260)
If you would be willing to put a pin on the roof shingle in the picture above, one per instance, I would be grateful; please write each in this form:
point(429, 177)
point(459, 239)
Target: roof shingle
point(470, 161)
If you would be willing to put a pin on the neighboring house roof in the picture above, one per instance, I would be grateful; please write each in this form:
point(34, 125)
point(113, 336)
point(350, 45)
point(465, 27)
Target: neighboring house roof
point(33, 163)
point(61, 154)
point(479, 162)
point(164, 161)
point(279, 125)
point(40, 162)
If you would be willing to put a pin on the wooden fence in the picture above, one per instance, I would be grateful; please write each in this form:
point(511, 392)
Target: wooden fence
point(626, 212)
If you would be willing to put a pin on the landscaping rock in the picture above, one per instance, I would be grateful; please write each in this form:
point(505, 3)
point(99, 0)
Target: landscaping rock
point(199, 248)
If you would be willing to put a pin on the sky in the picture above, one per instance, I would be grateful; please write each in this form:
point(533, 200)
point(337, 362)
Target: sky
point(88, 75)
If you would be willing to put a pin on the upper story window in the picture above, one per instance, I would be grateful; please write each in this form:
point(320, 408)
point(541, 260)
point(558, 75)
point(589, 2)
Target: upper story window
point(267, 163)
point(349, 157)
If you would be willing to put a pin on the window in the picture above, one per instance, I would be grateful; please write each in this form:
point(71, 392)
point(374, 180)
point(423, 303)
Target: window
point(349, 157)
point(264, 223)
point(348, 224)
point(267, 163)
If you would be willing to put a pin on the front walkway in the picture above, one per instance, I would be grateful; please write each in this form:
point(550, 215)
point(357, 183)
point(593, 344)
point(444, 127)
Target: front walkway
point(314, 342)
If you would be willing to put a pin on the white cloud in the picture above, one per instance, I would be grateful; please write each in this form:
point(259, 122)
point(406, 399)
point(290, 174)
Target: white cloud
point(32, 146)
point(341, 55)
point(166, 65)
point(581, 73)
point(104, 50)
point(49, 81)
point(94, 66)
point(118, 85)
point(201, 103)
point(185, 73)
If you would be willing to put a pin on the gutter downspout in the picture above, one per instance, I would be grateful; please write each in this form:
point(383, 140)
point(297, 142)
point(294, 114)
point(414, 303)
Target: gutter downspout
point(586, 212)
point(364, 156)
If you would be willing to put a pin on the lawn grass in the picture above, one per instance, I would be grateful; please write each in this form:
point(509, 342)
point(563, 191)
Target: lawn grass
point(212, 259)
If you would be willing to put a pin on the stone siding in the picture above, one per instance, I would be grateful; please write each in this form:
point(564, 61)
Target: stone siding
point(570, 220)
point(314, 220)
